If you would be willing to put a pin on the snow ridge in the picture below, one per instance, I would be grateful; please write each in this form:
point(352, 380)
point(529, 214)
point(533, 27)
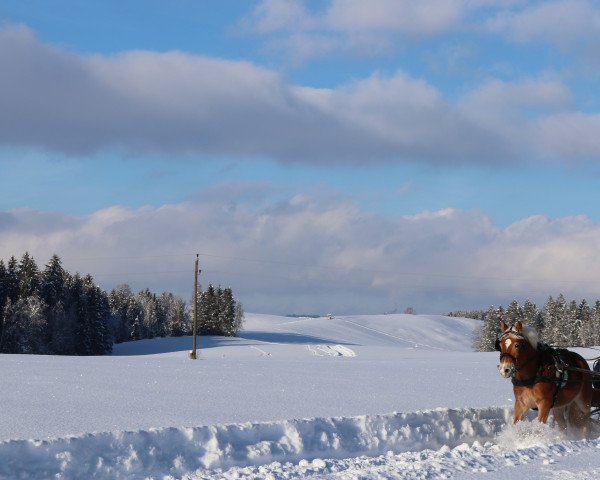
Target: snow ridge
point(181, 451)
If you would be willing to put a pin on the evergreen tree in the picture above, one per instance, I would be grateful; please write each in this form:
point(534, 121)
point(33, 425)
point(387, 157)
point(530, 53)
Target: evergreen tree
point(62, 341)
point(177, 321)
point(24, 325)
point(227, 312)
point(120, 300)
point(513, 313)
point(3, 294)
point(584, 313)
point(208, 315)
point(136, 315)
point(11, 280)
point(594, 325)
point(29, 276)
point(52, 291)
point(96, 339)
point(150, 314)
point(532, 316)
point(553, 312)
point(487, 333)
point(238, 322)
point(571, 325)
point(78, 315)
point(52, 283)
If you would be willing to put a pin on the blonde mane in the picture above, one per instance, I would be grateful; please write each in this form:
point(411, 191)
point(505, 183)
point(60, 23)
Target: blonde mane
point(528, 333)
point(531, 335)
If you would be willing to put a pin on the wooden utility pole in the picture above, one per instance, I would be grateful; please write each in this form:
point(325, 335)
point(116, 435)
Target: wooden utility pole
point(195, 320)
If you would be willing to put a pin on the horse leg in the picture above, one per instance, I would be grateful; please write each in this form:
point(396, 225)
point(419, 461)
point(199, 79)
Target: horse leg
point(579, 419)
point(560, 417)
point(520, 411)
point(581, 407)
point(543, 411)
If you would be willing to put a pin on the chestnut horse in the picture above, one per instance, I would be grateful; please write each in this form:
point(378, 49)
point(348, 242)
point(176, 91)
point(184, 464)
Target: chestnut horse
point(545, 378)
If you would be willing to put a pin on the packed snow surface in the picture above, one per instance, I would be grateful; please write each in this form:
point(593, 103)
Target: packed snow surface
point(384, 396)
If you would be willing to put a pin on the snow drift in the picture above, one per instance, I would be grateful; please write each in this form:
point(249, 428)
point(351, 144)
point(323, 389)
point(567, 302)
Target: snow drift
point(179, 451)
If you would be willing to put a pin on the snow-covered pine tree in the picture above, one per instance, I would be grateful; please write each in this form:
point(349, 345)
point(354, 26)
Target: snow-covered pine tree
point(238, 322)
point(52, 282)
point(52, 291)
point(3, 295)
point(208, 315)
point(135, 315)
point(29, 276)
point(486, 334)
point(176, 317)
point(513, 314)
point(96, 315)
point(583, 320)
point(150, 314)
point(532, 316)
point(571, 326)
point(24, 325)
point(594, 325)
point(551, 317)
point(12, 279)
point(82, 337)
point(227, 312)
point(120, 323)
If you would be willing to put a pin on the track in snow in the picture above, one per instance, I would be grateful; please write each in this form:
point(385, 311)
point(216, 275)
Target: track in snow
point(331, 350)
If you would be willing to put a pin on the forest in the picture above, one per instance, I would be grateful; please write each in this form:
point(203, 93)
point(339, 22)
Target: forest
point(559, 322)
point(52, 311)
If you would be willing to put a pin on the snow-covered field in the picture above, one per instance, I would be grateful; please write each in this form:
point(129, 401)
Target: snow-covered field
point(387, 396)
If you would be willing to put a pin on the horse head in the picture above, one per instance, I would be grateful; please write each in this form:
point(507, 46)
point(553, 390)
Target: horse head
point(515, 349)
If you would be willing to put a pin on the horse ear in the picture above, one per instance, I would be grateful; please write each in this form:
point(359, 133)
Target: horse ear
point(503, 326)
point(518, 327)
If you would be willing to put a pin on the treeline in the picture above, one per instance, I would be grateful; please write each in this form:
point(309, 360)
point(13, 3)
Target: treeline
point(55, 312)
point(147, 315)
point(559, 322)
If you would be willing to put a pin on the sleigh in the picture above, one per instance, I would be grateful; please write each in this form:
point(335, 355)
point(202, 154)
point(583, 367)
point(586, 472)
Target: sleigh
point(596, 389)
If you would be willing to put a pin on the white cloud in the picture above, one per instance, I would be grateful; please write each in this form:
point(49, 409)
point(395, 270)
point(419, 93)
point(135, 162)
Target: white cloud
point(569, 24)
point(363, 28)
point(273, 15)
point(313, 254)
point(181, 104)
point(423, 18)
point(568, 134)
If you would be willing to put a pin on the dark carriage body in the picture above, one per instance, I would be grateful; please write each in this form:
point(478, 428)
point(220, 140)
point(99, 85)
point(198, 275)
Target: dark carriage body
point(596, 386)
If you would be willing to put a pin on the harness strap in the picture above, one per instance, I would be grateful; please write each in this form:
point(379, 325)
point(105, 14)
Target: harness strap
point(529, 382)
point(560, 380)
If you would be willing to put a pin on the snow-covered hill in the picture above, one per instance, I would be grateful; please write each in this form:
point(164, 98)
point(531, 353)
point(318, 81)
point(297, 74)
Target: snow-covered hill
point(394, 396)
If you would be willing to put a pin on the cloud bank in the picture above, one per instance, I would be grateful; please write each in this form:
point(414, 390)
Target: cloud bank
point(379, 26)
point(313, 254)
point(174, 103)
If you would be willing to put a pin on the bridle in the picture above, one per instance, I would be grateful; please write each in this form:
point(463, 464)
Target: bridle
point(508, 355)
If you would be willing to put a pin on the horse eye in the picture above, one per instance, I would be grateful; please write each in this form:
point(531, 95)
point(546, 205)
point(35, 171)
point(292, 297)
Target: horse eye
point(517, 345)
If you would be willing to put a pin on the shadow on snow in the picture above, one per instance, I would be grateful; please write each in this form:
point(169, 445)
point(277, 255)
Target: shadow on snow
point(246, 338)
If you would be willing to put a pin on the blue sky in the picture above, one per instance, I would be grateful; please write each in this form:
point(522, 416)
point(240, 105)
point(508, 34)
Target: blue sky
point(355, 137)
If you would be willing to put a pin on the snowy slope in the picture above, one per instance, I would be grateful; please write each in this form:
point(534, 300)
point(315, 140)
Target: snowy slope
point(289, 398)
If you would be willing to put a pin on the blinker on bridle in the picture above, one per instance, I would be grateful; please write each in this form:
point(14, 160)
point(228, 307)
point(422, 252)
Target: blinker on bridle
point(506, 354)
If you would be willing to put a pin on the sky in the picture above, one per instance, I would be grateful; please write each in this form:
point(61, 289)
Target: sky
point(333, 156)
